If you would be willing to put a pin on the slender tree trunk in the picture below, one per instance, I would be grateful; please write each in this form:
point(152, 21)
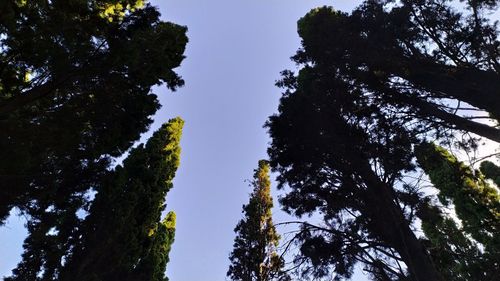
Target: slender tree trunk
point(461, 123)
point(390, 224)
point(427, 109)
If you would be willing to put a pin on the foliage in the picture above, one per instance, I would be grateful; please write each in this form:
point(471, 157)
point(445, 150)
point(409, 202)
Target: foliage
point(342, 159)
point(75, 91)
point(413, 57)
point(477, 206)
point(122, 237)
point(373, 83)
point(491, 171)
point(254, 256)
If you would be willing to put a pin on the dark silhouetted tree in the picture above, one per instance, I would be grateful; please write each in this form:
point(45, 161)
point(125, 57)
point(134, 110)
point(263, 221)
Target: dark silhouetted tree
point(342, 160)
point(75, 91)
point(491, 171)
point(254, 257)
point(413, 56)
point(371, 85)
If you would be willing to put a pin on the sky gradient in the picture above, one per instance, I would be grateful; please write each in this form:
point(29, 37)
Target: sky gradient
point(237, 49)
point(235, 52)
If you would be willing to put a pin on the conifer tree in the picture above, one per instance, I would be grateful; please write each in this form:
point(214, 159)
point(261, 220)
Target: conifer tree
point(371, 84)
point(254, 256)
point(75, 91)
point(491, 171)
point(152, 266)
point(477, 206)
point(122, 237)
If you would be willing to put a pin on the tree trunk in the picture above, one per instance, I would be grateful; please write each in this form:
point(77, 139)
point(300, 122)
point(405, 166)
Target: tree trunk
point(390, 224)
point(476, 87)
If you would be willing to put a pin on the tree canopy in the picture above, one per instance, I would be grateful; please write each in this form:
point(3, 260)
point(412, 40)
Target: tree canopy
point(123, 236)
point(424, 59)
point(254, 257)
point(372, 85)
point(75, 91)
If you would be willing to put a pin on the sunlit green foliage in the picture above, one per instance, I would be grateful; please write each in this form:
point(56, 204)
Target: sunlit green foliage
point(477, 206)
point(476, 203)
point(123, 237)
point(75, 90)
point(254, 256)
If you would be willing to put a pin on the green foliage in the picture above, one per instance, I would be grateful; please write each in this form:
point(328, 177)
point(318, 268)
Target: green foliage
point(254, 256)
point(75, 90)
point(477, 206)
point(455, 255)
point(476, 203)
point(152, 265)
point(122, 237)
point(491, 171)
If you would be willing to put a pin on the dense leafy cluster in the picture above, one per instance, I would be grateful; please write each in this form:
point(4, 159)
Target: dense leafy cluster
point(123, 236)
point(75, 92)
point(374, 84)
point(254, 257)
point(491, 171)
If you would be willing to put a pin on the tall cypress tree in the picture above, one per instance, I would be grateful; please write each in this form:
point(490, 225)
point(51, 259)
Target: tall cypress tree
point(477, 206)
point(254, 256)
point(123, 236)
point(152, 265)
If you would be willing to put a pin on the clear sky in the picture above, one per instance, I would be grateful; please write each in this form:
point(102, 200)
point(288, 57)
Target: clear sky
point(237, 49)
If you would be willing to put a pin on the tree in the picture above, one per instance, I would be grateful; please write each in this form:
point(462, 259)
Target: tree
point(75, 91)
point(254, 256)
point(152, 267)
point(413, 56)
point(122, 237)
point(477, 206)
point(491, 171)
point(342, 160)
point(373, 83)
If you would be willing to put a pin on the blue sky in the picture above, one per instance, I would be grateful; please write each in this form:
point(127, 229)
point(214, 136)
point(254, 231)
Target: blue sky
point(237, 49)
